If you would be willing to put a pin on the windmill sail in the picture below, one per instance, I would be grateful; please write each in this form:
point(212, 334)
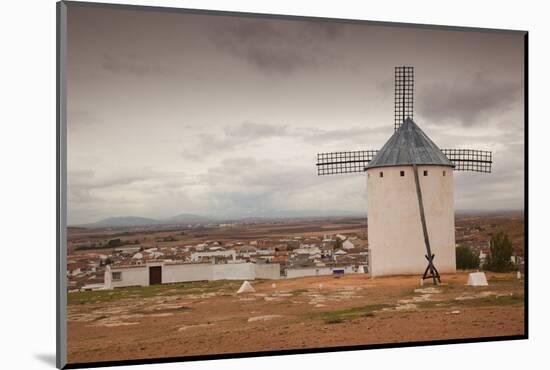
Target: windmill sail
point(470, 159)
point(344, 162)
point(404, 95)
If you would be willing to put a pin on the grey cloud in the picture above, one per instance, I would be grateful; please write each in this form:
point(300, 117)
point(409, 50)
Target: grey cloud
point(247, 185)
point(174, 92)
point(385, 88)
point(455, 138)
point(80, 118)
point(249, 134)
point(258, 174)
point(90, 179)
point(241, 135)
point(274, 47)
point(239, 203)
point(468, 102)
point(83, 183)
point(130, 65)
point(352, 134)
point(501, 189)
point(92, 196)
point(209, 144)
point(251, 130)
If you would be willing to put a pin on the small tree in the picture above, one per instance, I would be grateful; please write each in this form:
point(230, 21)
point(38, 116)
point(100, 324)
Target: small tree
point(499, 260)
point(114, 243)
point(466, 259)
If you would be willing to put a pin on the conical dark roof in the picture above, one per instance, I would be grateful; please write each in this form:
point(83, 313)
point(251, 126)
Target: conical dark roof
point(409, 145)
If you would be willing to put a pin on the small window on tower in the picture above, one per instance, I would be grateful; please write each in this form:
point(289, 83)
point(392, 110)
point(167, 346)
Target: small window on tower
point(444, 173)
point(425, 173)
point(381, 174)
point(402, 173)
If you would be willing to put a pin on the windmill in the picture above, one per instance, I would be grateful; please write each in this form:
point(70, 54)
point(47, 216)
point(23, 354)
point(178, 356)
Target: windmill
point(411, 192)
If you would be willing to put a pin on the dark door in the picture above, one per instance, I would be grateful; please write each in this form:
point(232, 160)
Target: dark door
point(155, 275)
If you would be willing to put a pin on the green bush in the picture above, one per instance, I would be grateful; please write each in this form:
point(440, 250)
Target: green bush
point(466, 259)
point(114, 243)
point(501, 252)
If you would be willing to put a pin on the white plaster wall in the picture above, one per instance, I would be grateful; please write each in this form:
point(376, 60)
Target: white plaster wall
point(396, 240)
point(233, 271)
point(267, 270)
point(135, 276)
point(139, 276)
point(348, 269)
point(186, 272)
point(313, 271)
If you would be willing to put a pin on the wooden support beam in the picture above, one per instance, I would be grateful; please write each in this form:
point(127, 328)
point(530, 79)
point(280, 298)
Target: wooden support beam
point(429, 256)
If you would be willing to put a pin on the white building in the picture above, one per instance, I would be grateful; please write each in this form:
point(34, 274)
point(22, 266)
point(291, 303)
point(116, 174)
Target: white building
point(153, 273)
point(247, 251)
point(396, 239)
point(308, 250)
point(198, 256)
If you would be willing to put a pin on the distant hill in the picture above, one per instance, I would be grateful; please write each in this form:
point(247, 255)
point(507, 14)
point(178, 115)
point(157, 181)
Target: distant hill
point(123, 221)
point(129, 221)
point(189, 218)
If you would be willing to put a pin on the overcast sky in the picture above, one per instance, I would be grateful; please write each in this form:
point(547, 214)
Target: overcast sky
point(223, 116)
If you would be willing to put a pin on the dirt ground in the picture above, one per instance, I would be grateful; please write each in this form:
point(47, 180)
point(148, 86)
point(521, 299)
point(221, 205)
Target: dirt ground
point(210, 318)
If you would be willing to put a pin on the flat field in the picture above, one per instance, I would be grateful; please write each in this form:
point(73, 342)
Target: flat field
point(204, 318)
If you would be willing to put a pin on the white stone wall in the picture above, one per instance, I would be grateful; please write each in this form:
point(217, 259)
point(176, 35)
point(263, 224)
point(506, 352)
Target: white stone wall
point(134, 276)
point(396, 240)
point(233, 271)
point(316, 271)
point(186, 272)
point(309, 271)
point(267, 271)
point(177, 273)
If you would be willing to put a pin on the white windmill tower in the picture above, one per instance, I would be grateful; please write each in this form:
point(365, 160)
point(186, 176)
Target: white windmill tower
point(396, 242)
point(410, 206)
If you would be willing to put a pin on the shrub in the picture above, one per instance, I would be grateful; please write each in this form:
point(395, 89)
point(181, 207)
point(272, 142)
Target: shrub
point(501, 252)
point(114, 243)
point(466, 259)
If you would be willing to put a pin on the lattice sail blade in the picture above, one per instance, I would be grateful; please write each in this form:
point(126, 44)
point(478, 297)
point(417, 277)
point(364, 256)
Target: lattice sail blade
point(404, 95)
point(343, 162)
point(470, 159)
